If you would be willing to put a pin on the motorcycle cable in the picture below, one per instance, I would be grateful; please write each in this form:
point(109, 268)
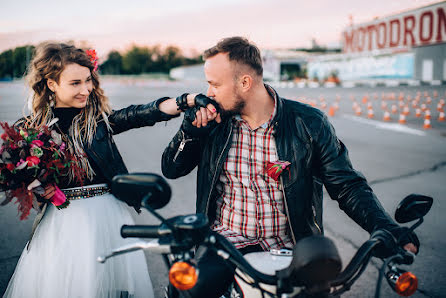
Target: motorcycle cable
point(381, 274)
point(348, 284)
point(256, 284)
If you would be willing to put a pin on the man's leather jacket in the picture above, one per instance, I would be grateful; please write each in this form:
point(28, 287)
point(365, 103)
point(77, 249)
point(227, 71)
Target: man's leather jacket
point(305, 138)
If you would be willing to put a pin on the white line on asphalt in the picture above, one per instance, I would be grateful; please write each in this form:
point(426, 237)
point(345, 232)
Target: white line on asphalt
point(389, 126)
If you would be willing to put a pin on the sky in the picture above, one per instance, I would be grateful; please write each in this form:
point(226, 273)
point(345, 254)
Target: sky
point(191, 25)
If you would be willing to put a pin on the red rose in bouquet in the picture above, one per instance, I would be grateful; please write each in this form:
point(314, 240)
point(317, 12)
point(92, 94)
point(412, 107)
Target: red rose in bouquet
point(30, 158)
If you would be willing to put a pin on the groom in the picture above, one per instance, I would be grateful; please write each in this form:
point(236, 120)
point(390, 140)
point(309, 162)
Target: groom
point(257, 130)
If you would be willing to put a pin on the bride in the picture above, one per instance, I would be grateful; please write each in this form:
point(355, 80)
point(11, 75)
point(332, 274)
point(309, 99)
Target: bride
point(60, 258)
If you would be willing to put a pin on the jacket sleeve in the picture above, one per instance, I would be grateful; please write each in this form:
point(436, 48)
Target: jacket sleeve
point(181, 156)
point(136, 116)
point(346, 185)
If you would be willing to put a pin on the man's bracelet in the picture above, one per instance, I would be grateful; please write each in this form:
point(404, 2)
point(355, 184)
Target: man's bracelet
point(182, 102)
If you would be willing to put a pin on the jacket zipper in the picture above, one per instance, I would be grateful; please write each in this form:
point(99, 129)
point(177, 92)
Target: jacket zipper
point(215, 174)
point(181, 147)
point(314, 219)
point(287, 212)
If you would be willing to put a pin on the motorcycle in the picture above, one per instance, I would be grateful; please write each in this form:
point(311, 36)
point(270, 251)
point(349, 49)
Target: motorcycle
point(312, 269)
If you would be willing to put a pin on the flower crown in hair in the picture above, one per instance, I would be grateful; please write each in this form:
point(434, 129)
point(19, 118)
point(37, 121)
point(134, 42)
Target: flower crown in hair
point(93, 58)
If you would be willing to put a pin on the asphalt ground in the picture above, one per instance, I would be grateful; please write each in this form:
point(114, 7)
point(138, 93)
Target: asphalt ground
point(397, 159)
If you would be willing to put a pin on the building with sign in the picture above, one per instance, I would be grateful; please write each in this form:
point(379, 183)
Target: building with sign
point(409, 46)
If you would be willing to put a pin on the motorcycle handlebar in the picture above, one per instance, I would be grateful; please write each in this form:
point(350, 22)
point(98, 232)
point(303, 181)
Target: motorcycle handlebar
point(141, 231)
point(228, 251)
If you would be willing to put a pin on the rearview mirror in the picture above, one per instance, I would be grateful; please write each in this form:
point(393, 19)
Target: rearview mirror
point(134, 187)
point(413, 207)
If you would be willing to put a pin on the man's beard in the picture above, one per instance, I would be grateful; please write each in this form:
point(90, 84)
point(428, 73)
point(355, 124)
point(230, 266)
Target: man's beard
point(236, 109)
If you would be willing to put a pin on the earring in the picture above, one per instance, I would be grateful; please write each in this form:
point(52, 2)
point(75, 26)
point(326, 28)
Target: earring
point(52, 100)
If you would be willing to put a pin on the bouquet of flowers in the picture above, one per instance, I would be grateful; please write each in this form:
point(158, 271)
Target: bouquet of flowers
point(30, 158)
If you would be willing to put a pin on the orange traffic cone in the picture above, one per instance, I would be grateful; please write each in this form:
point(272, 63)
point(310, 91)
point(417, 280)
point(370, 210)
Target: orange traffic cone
point(441, 117)
point(394, 109)
point(418, 113)
point(358, 111)
point(383, 105)
point(423, 107)
point(406, 111)
point(323, 105)
point(355, 106)
point(427, 124)
point(402, 119)
point(370, 114)
point(435, 93)
point(386, 116)
point(429, 100)
point(331, 111)
point(427, 115)
point(365, 99)
point(336, 106)
point(369, 106)
point(439, 107)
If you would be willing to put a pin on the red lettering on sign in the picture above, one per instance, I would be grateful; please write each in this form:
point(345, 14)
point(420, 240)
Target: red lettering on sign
point(394, 43)
point(370, 29)
point(360, 37)
point(348, 40)
point(409, 26)
point(441, 20)
point(381, 31)
point(430, 16)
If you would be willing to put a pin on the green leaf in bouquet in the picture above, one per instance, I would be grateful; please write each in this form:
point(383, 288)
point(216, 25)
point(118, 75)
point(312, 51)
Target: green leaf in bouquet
point(56, 155)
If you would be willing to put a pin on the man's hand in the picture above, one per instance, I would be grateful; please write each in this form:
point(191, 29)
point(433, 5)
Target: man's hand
point(411, 247)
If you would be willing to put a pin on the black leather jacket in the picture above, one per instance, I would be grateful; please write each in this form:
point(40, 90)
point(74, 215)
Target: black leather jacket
point(306, 139)
point(103, 149)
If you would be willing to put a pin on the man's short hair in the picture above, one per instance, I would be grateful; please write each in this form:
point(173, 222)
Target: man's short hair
point(239, 49)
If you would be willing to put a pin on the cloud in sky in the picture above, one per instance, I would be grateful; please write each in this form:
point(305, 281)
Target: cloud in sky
point(195, 24)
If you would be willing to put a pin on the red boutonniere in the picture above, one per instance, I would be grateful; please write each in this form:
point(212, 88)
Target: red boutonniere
point(274, 169)
point(93, 58)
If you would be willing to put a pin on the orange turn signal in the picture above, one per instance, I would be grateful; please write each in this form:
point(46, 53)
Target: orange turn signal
point(183, 276)
point(407, 284)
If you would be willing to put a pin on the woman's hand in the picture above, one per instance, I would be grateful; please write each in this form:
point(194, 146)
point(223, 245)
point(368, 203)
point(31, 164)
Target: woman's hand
point(49, 192)
point(204, 115)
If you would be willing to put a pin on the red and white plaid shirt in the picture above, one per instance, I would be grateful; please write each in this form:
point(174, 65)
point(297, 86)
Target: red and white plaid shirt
point(250, 209)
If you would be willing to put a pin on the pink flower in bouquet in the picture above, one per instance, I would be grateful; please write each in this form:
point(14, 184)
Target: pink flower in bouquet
point(59, 199)
point(32, 161)
point(38, 143)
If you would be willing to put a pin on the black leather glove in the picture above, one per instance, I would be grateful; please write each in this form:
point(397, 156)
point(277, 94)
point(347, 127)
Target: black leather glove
point(201, 100)
point(192, 131)
point(392, 240)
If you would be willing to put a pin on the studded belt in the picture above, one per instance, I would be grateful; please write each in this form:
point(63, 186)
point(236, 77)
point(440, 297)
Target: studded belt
point(84, 192)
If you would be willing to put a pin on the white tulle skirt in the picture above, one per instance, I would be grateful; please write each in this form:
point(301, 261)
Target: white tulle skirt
point(61, 260)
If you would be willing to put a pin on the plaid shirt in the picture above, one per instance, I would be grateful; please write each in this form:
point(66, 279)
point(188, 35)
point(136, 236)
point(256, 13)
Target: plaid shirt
point(250, 209)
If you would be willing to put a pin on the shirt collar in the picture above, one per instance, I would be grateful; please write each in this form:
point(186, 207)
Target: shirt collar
point(270, 120)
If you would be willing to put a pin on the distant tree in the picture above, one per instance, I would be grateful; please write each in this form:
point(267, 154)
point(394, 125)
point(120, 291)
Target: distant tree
point(136, 59)
point(13, 63)
point(113, 64)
